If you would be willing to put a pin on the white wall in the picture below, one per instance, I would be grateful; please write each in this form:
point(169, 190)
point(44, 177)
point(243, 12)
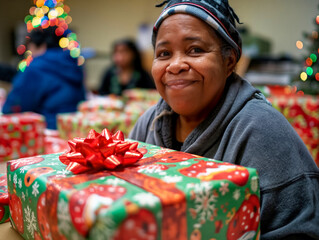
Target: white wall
point(282, 21)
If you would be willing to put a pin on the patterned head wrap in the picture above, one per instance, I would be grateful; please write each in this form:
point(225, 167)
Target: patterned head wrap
point(216, 13)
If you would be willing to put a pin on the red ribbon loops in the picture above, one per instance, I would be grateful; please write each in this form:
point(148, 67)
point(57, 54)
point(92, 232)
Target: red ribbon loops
point(99, 152)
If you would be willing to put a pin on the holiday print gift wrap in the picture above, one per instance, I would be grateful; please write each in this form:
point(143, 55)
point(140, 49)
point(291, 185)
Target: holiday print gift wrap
point(78, 124)
point(21, 135)
point(4, 199)
point(105, 103)
point(141, 94)
point(55, 145)
point(165, 195)
point(137, 107)
point(303, 114)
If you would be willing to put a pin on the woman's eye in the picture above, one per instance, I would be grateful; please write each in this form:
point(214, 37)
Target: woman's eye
point(163, 54)
point(196, 50)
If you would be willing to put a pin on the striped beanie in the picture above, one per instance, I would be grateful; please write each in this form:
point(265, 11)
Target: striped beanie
point(216, 13)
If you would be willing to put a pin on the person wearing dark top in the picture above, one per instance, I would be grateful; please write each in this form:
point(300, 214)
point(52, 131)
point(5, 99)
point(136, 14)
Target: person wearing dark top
point(126, 71)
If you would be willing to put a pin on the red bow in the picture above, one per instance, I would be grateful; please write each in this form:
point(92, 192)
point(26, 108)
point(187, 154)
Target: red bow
point(100, 151)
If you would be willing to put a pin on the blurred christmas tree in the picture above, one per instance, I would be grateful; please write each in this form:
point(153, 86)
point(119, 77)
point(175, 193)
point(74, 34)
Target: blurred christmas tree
point(50, 13)
point(308, 80)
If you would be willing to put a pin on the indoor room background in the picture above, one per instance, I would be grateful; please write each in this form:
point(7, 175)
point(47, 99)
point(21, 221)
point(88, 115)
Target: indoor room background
point(98, 23)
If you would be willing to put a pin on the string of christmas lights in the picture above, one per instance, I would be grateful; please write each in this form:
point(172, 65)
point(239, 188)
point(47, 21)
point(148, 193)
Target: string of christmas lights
point(50, 13)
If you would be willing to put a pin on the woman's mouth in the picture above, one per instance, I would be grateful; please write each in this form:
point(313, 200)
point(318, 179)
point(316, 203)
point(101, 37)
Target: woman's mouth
point(179, 84)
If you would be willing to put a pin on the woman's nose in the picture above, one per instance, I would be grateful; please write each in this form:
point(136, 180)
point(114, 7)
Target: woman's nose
point(177, 65)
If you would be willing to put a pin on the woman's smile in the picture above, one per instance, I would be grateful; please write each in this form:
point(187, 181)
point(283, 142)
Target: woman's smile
point(179, 83)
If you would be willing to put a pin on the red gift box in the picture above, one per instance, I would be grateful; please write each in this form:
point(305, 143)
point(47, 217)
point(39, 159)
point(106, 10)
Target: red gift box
point(21, 135)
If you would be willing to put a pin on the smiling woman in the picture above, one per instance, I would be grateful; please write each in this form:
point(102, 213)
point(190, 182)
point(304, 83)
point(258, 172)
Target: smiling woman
point(208, 110)
point(188, 62)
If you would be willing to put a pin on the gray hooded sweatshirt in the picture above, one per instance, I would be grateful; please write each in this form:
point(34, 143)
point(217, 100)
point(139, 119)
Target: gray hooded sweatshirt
point(245, 129)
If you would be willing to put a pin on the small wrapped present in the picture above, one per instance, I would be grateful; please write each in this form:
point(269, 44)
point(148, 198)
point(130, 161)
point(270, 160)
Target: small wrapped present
point(78, 124)
point(141, 94)
point(21, 135)
point(105, 103)
point(54, 145)
point(164, 195)
point(137, 107)
point(302, 113)
point(4, 199)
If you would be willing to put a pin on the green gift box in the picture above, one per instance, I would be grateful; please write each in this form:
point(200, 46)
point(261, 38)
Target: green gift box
point(165, 195)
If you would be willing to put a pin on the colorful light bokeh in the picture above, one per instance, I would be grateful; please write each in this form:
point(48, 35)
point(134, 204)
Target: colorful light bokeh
point(313, 57)
point(299, 44)
point(52, 13)
point(303, 76)
point(309, 71)
point(308, 61)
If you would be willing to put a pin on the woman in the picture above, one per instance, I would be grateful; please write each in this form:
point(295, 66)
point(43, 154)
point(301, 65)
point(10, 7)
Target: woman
point(126, 72)
point(208, 110)
point(53, 82)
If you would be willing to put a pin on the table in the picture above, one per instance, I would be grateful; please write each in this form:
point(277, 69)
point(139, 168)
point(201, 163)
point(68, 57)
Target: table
point(8, 233)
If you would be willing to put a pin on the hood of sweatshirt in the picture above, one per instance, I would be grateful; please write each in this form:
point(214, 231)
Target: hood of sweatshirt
point(237, 93)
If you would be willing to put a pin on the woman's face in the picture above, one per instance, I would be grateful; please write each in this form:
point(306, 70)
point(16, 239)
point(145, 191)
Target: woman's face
point(123, 56)
point(188, 68)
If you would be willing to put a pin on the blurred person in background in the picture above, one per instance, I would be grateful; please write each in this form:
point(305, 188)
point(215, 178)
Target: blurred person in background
point(126, 71)
point(53, 82)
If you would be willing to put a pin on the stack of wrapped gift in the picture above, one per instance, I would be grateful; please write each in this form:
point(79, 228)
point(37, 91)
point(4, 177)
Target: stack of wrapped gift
point(302, 111)
point(21, 135)
point(110, 112)
point(163, 195)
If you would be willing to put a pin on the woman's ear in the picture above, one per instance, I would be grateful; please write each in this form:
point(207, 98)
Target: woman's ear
point(231, 62)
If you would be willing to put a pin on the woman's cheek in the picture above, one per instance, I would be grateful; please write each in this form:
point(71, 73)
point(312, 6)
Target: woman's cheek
point(157, 72)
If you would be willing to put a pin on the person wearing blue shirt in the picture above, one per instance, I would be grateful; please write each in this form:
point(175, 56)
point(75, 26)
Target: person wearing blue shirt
point(53, 82)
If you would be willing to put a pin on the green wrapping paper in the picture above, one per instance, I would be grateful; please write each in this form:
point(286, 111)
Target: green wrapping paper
point(165, 195)
point(4, 199)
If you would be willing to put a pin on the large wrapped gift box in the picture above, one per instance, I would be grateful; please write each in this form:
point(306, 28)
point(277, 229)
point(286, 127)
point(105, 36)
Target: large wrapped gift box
point(302, 111)
point(165, 195)
point(4, 198)
point(21, 135)
point(78, 124)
